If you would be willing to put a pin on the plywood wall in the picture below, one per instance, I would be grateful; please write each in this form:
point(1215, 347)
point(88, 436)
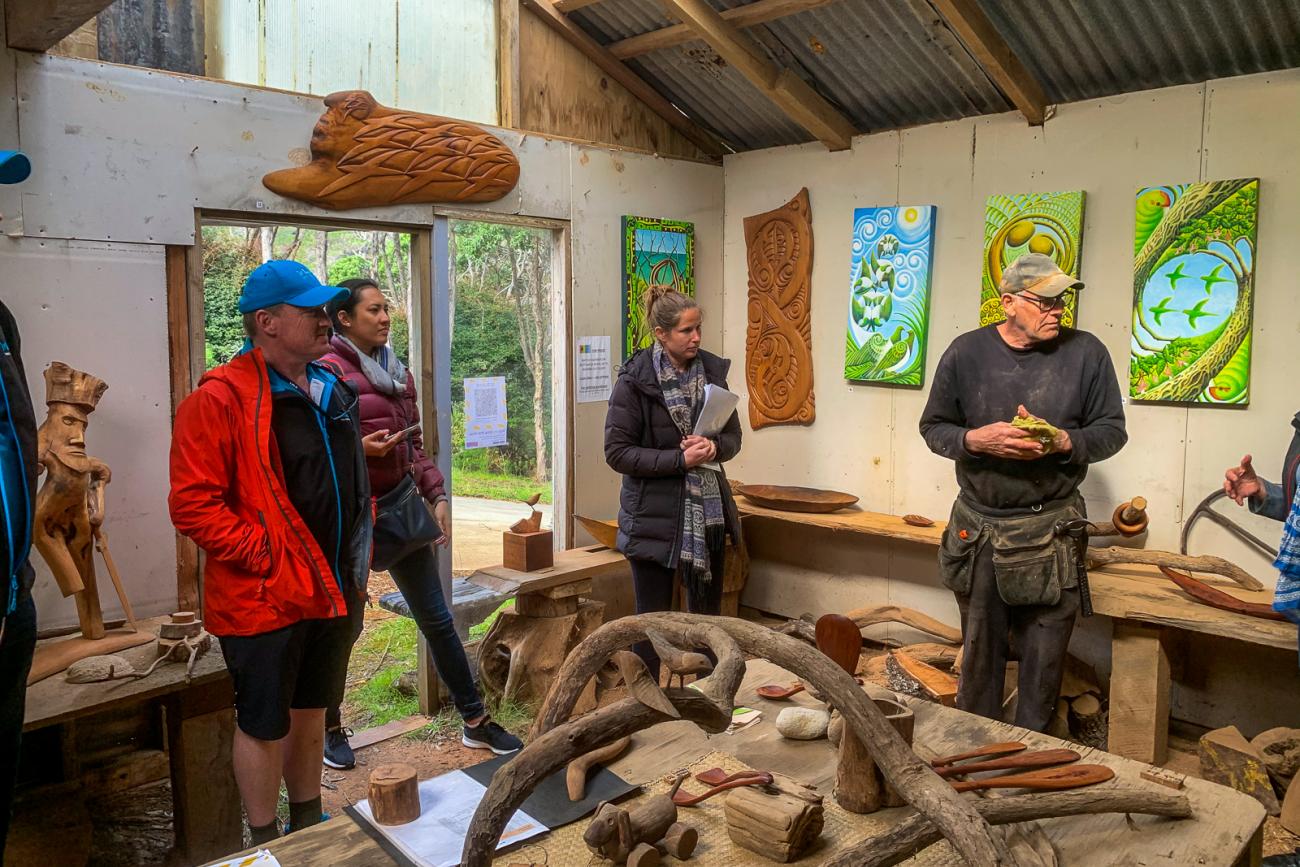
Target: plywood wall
point(563, 93)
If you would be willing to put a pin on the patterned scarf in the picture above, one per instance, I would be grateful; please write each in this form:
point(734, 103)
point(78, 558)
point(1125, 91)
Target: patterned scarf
point(1286, 598)
point(384, 369)
point(703, 527)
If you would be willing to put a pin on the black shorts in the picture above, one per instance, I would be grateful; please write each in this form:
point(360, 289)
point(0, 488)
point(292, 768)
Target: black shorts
point(302, 666)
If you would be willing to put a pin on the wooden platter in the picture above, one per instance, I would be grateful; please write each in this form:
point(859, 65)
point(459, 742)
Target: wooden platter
point(790, 498)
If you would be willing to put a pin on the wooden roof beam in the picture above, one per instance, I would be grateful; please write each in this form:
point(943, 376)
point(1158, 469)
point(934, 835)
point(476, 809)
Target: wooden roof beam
point(792, 94)
point(992, 53)
point(617, 70)
point(39, 25)
point(749, 15)
point(567, 6)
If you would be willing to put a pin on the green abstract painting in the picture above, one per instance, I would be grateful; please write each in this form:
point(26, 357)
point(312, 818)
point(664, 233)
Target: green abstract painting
point(658, 256)
point(889, 294)
point(1193, 292)
point(1047, 223)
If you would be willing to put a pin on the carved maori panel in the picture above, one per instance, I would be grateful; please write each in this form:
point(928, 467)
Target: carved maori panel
point(365, 154)
point(778, 340)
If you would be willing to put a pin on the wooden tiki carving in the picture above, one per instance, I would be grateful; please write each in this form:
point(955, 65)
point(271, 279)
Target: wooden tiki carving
point(70, 503)
point(778, 340)
point(365, 154)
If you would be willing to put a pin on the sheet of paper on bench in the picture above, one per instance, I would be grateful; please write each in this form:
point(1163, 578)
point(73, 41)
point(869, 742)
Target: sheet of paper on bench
point(719, 404)
point(447, 805)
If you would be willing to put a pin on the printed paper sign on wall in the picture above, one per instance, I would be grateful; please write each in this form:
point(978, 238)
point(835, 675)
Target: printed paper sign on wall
point(1193, 292)
point(485, 412)
point(889, 294)
point(1047, 223)
point(658, 256)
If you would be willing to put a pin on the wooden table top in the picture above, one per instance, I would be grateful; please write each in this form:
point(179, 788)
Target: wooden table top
point(54, 700)
point(572, 566)
point(1223, 824)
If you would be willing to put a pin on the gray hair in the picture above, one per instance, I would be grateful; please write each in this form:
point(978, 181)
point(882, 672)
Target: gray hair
point(666, 309)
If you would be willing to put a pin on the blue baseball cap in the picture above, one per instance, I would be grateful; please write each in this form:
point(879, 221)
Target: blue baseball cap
point(284, 281)
point(14, 167)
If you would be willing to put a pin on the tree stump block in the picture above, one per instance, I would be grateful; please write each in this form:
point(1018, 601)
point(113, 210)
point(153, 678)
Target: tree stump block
point(778, 826)
point(522, 652)
point(394, 794)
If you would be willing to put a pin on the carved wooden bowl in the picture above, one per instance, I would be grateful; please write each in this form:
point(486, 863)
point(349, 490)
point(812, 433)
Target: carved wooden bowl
point(790, 498)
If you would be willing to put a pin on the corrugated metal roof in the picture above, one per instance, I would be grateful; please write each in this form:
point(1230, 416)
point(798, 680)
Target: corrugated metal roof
point(894, 63)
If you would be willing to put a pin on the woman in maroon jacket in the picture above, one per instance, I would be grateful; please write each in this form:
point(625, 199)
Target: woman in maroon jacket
point(360, 353)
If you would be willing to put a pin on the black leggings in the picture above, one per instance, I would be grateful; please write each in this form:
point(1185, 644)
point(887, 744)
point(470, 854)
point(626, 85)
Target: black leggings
point(653, 584)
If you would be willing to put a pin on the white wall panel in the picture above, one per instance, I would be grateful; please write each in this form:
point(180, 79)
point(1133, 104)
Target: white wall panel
point(102, 308)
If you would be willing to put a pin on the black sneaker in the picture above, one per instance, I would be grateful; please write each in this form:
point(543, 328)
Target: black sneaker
point(338, 752)
point(487, 735)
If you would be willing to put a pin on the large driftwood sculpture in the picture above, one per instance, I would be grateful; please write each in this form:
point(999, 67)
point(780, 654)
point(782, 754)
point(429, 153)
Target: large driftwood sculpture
point(365, 154)
point(778, 339)
point(556, 740)
point(68, 515)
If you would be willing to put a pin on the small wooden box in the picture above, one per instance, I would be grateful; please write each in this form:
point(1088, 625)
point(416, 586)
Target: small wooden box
point(527, 552)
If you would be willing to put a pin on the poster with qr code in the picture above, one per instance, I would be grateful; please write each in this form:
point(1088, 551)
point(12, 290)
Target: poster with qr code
point(485, 412)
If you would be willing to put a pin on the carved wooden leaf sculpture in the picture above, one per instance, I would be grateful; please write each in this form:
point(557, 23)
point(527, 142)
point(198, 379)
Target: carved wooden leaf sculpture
point(778, 340)
point(365, 154)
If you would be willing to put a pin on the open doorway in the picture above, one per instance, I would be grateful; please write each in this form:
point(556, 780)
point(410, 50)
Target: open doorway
point(506, 300)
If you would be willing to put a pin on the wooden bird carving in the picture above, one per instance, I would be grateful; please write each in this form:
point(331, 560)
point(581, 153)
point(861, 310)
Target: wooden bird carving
point(365, 154)
point(678, 661)
point(640, 685)
point(533, 523)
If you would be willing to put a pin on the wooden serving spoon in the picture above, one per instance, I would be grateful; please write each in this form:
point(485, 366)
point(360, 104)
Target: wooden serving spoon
point(1001, 749)
point(1069, 777)
point(839, 638)
point(717, 776)
point(1032, 759)
point(682, 799)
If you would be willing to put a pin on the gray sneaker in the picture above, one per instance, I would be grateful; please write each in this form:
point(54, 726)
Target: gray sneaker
point(487, 735)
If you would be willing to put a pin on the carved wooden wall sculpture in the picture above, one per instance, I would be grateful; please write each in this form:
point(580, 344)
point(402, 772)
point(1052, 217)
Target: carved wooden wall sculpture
point(778, 341)
point(365, 154)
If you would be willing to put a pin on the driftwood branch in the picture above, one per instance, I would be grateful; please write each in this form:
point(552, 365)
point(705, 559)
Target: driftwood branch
point(911, 778)
point(1202, 563)
point(910, 836)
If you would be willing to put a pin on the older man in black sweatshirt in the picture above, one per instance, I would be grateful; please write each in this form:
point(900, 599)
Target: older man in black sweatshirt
point(1004, 554)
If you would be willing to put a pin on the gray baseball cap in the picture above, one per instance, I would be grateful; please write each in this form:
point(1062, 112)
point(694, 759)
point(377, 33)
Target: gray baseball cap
point(1039, 274)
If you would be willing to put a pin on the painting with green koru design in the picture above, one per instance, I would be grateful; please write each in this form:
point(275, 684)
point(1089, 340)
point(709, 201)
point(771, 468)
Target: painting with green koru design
point(1047, 223)
point(1193, 292)
point(892, 251)
point(658, 257)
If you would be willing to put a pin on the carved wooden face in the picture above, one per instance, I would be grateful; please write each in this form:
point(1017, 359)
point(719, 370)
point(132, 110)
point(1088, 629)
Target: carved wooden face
point(336, 131)
point(63, 435)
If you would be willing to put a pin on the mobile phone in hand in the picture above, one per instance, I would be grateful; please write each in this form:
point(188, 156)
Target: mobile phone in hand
point(401, 433)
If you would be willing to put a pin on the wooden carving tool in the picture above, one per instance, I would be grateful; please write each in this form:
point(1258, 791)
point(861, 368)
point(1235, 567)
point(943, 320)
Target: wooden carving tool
point(1001, 749)
point(1031, 759)
point(1069, 777)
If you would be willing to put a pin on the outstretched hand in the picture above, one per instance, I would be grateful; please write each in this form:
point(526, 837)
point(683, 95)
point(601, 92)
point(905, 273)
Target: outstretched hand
point(376, 444)
point(1241, 482)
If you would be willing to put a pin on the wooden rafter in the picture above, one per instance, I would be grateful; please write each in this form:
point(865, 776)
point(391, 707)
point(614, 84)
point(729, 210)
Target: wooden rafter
point(617, 70)
point(992, 53)
point(508, 88)
point(791, 93)
point(758, 12)
point(38, 25)
point(567, 6)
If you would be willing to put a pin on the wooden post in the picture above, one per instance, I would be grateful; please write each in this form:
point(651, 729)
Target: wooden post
point(181, 288)
point(1139, 693)
point(429, 688)
point(205, 800)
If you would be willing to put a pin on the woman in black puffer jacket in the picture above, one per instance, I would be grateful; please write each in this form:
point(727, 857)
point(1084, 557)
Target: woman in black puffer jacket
point(674, 513)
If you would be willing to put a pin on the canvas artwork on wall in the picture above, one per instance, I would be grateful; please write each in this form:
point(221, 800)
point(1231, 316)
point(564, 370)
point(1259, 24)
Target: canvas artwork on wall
point(1193, 292)
point(1047, 223)
point(889, 294)
point(658, 256)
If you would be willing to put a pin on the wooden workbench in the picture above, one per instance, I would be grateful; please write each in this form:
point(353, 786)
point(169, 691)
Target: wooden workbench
point(1145, 606)
point(1225, 828)
point(199, 723)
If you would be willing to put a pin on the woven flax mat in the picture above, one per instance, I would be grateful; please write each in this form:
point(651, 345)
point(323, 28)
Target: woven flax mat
point(564, 847)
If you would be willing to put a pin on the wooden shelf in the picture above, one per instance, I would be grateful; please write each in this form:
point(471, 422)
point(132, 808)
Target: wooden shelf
point(574, 565)
point(850, 521)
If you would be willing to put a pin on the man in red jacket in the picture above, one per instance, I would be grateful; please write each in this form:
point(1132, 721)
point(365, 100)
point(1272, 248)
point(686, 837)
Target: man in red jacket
point(268, 477)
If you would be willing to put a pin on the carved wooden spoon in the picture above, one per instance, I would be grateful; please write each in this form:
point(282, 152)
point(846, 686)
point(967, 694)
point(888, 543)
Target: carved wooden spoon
point(1069, 777)
point(1032, 759)
point(777, 692)
point(682, 799)
point(986, 750)
point(717, 776)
